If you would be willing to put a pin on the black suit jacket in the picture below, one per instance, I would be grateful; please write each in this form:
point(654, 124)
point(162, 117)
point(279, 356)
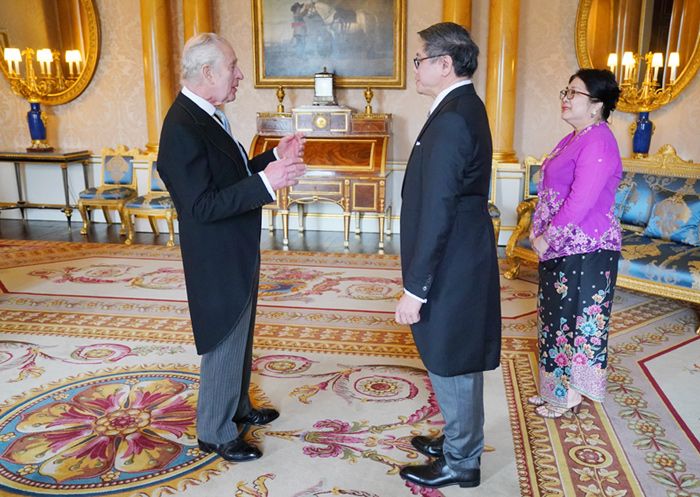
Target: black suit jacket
point(219, 214)
point(448, 251)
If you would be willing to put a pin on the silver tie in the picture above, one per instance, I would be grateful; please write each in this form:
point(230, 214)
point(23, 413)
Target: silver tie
point(219, 114)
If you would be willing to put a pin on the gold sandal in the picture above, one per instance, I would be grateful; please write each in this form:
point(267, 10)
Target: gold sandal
point(550, 411)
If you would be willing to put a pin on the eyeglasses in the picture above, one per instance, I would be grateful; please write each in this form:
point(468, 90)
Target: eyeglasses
point(417, 61)
point(570, 93)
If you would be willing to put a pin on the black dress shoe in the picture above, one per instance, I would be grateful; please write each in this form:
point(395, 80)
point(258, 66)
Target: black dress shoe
point(258, 417)
point(237, 450)
point(439, 474)
point(431, 447)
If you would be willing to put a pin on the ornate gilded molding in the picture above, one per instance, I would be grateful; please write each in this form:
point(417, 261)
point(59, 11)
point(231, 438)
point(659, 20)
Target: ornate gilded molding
point(92, 55)
point(665, 161)
point(124, 150)
point(584, 61)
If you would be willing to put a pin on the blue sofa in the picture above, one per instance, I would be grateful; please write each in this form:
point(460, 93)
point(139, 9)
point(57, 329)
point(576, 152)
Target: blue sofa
point(658, 202)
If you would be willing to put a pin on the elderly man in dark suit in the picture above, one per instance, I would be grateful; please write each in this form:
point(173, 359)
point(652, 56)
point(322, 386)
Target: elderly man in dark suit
point(448, 255)
point(218, 193)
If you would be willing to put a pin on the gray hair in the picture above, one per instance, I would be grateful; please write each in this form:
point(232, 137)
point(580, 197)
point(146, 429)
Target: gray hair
point(448, 38)
point(201, 50)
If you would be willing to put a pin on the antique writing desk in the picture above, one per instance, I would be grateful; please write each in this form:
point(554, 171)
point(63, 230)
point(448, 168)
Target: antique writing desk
point(59, 158)
point(345, 155)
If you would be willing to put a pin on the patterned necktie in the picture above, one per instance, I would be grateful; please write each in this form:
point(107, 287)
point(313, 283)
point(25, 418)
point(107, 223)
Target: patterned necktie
point(221, 117)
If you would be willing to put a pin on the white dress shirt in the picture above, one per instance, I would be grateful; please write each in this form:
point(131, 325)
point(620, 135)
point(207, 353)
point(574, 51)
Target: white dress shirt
point(441, 96)
point(209, 108)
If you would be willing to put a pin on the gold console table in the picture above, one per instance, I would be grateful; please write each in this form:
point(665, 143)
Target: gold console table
point(59, 158)
point(346, 164)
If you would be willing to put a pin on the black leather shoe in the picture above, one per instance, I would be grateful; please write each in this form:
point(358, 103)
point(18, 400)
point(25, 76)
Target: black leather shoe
point(439, 474)
point(237, 450)
point(431, 447)
point(258, 417)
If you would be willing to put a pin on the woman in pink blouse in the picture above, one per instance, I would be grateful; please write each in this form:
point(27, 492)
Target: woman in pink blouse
point(577, 238)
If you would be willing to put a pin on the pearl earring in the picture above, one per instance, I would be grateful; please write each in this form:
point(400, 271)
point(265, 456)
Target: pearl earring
point(593, 113)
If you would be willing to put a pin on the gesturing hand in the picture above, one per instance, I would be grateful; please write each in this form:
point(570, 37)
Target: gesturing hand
point(284, 172)
point(292, 146)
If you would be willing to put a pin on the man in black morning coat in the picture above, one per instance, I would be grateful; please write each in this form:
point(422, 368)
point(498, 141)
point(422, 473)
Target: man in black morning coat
point(448, 255)
point(218, 194)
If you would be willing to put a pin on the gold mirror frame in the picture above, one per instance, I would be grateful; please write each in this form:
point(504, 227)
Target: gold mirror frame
point(584, 59)
point(92, 55)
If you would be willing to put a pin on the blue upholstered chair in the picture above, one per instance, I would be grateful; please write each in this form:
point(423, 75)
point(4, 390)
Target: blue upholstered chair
point(118, 186)
point(155, 204)
point(658, 204)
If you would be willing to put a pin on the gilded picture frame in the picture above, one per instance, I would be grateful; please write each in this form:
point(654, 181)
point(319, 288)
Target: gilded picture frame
point(533, 170)
point(363, 42)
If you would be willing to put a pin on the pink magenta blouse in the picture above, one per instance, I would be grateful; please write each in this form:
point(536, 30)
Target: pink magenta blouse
point(576, 207)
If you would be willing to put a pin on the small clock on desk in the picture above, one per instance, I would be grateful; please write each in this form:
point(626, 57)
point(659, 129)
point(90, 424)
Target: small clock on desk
point(323, 88)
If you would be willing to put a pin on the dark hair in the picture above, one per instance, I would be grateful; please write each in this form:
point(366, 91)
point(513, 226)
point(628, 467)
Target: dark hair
point(448, 38)
point(602, 86)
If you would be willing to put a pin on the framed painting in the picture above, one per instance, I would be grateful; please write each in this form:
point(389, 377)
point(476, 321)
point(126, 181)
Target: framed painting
point(362, 41)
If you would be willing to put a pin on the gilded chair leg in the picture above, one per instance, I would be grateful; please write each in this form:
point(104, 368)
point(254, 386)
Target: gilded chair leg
point(514, 270)
point(86, 217)
point(154, 225)
point(107, 215)
point(124, 223)
point(129, 228)
point(171, 230)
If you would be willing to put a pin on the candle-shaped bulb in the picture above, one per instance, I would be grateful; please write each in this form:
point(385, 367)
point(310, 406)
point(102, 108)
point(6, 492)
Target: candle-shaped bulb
point(628, 64)
point(673, 62)
point(73, 58)
point(657, 62)
point(13, 57)
point(44, 57)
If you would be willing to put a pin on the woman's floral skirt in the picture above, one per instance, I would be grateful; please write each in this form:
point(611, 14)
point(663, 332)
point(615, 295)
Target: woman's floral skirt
point(573, 318)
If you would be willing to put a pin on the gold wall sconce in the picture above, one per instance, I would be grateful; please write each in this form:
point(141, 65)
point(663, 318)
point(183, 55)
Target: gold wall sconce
point(650, 92)
point(27, 83)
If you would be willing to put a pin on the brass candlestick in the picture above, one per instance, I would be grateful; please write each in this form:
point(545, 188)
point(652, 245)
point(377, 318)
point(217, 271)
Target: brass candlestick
point(649, 94)
point(280, 98)
point(369, 94)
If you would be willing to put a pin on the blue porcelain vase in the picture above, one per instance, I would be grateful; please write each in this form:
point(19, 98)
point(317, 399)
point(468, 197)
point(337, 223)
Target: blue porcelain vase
point(37, 130)
point(641, 141)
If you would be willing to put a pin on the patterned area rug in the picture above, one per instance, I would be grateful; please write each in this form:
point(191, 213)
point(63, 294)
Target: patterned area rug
point(99, 385)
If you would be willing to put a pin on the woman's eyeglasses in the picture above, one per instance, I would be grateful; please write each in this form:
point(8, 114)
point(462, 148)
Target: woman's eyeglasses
point(570, 93)
point(417, 60)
